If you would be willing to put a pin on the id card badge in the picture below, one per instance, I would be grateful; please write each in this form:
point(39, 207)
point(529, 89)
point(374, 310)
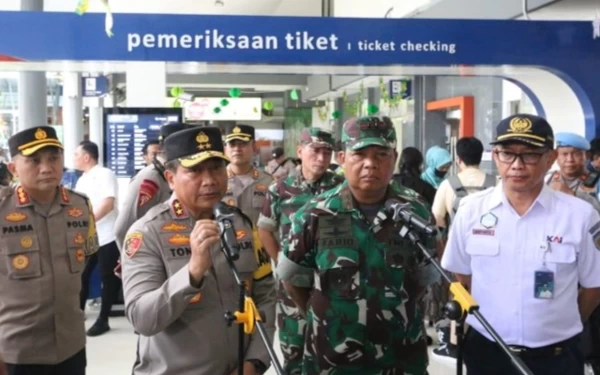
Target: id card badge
point(543, 284)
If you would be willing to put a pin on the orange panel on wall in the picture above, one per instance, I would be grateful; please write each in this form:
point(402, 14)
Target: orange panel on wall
point(466, 104)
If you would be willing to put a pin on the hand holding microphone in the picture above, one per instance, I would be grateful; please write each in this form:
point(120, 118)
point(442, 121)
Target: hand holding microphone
point(204, 235)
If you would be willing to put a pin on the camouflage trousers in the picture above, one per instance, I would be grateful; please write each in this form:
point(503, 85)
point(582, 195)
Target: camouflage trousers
point(292, 327)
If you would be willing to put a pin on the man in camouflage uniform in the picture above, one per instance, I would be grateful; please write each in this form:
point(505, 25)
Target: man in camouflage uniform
point(147, 189)
point(246, 185)
point(283, 199)
point(363, 317)
point(47, 233)
point(176, 279)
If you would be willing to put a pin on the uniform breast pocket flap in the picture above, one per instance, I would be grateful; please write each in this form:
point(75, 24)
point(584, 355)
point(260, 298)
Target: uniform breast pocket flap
point(22, 255)
point(339, 273)
point(247, 262)
point(482, 246)
point(561, 254)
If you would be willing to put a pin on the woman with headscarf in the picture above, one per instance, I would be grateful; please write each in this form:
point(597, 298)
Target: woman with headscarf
point(438, 162)
point(409, 174)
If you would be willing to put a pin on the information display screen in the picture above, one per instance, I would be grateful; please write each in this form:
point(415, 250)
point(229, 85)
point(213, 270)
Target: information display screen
point(126, 130)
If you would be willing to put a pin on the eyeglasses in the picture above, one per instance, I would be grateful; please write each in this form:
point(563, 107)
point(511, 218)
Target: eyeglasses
point(529, 158)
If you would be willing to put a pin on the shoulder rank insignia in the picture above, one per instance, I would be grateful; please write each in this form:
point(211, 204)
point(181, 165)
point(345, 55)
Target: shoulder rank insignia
point(177, 208)
point(22, 196)
point(64, 195)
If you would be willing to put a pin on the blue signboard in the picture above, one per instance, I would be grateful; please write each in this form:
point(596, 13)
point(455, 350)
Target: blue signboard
point(294, 40)
point(94, 86)
point(565, 48)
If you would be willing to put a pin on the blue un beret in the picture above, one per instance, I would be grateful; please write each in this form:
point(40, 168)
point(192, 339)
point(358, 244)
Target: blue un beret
point(572, 140)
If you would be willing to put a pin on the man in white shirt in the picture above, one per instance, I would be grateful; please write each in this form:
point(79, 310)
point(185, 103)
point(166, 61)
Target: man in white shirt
point(100, 185)
point(530, 255)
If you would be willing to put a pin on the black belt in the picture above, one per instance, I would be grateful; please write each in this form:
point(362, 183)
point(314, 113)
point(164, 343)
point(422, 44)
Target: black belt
point(551, 350)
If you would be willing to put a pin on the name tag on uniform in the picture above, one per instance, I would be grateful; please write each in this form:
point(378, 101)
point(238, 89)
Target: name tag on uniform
point(484, 232)
point(543, 284)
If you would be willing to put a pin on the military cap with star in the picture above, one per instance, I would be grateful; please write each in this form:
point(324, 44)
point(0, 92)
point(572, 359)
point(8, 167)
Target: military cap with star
point(28, 141)
point(362, 132)
point(528, 129)
point(239, 132)
point(170, 128)
point(194, 145)
point(317, 137)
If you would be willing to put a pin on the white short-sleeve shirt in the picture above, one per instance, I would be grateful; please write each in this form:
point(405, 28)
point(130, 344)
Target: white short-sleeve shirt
point(98, 184)
point(502, 251)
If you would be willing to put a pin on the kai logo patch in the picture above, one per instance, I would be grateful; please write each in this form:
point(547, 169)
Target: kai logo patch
point(15, 217)
point(133, 242)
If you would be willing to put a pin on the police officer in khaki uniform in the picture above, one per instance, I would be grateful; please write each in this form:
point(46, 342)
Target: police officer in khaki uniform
point(47, 232)
point(247, 186)
point(177, 283)
point(147, 189)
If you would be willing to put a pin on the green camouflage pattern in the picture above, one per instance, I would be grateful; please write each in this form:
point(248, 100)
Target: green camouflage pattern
point(362, 132)
point(283, 200)
point(364, 314)
point(317, 136)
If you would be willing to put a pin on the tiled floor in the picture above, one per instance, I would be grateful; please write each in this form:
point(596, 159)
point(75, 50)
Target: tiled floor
point(114, 352)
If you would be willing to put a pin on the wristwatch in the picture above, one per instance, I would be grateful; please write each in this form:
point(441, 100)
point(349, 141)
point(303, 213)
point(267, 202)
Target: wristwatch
point(259, 366)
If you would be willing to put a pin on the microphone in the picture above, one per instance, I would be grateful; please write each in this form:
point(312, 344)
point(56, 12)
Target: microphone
point(224, 215)
point(403, 212)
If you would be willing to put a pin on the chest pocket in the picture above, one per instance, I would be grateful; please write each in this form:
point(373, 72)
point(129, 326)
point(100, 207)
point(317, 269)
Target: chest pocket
point(22, 257)
point(561, 259)
point(246, 263)
point(76, 241)
point(258, 198)
point(484, 252)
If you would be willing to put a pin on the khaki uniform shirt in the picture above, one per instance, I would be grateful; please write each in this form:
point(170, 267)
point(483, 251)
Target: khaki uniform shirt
point(249, 198)
point(43, 251)
point(182, 328)
point(147, 189)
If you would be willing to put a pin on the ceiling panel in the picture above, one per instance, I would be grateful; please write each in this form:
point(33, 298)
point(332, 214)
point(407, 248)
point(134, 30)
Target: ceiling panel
point(230, 7)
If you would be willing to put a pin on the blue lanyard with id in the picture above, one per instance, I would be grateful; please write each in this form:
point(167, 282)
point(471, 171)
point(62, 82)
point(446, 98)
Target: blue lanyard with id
point(544, 278)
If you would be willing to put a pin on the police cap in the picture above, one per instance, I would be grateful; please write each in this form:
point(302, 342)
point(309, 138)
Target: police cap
point(194, 145)
point(28, 141)
point(239, 132)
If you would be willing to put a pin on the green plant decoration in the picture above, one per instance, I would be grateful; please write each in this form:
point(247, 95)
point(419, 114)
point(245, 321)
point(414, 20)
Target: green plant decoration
point(294, 95)
point(268, 105)
point(392, 103)
point(336, 115)
point(224, 103)
point(372, 109)
point(217, 110)
point(175, 92)
point(235, 92)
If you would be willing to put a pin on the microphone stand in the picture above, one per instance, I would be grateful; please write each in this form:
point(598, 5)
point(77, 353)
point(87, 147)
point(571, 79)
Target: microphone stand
point(462, 303)
point(249, 318)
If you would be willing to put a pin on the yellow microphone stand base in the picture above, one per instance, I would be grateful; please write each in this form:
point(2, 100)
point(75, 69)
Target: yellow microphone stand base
point(249, 320)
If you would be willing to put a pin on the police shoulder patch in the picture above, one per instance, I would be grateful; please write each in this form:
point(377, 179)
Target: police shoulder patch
point(133, 242)
point(148, 190)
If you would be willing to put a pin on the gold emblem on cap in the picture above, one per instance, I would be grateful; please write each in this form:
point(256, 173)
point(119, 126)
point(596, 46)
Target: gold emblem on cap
point(203, 140)
point(237, 130)
point(40, 134)
point(520, 125)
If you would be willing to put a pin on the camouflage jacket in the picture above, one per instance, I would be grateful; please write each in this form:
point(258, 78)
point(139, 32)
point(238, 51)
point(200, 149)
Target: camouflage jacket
point(363, 315)
point(285, 198)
